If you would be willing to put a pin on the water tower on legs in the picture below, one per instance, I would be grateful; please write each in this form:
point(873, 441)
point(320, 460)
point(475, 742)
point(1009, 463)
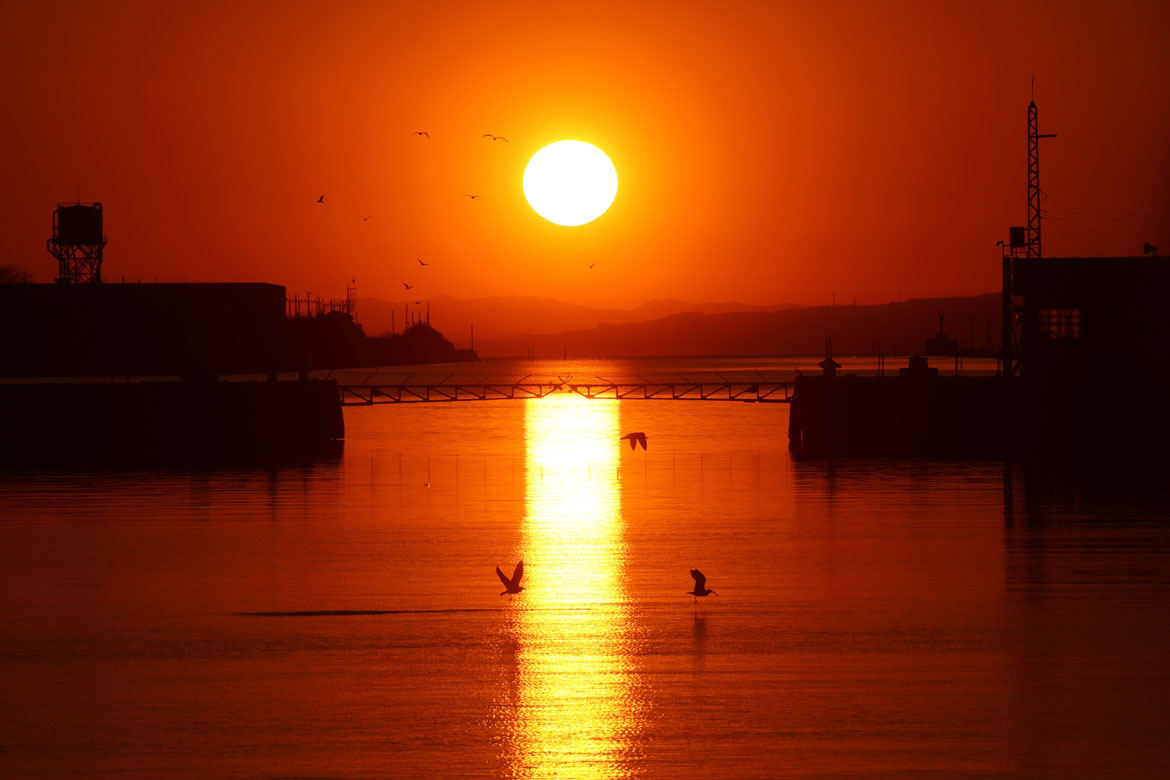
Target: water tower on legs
point(77, 243)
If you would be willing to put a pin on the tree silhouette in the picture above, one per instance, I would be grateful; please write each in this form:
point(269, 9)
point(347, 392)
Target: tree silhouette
point(13, 274)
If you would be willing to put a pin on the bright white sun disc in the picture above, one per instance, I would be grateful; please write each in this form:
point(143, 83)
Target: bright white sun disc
point(570, 183)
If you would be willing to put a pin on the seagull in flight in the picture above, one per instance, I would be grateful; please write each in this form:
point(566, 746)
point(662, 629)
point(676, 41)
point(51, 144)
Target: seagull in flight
point(422, 132)
point(473, 197)
point(592, 264)
point(367, 219)
point(420, 262)
point(511, 586)
point(700, 585)
point(495, 137)
point(408, 286)
point(321, 199)
point(635, 439)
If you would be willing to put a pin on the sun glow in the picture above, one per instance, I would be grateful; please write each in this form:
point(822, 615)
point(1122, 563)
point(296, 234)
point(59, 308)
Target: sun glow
point(576, 711)
point(570, 183)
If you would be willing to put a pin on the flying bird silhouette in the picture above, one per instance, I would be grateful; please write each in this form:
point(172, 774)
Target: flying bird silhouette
point(422, 132)
point(511, 586)
point(592, 264)
point(408, 286)
point(495, 137)
point(420, 262)
point(473, 197)
point(366, 219)
point(700, 585)
point(321, 199)
point(635, 439)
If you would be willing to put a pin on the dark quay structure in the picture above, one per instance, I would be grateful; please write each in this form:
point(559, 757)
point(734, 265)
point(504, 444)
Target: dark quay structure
point(1083, 366)
point(96, 372)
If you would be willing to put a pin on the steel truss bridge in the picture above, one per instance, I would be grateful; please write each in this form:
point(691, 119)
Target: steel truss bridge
point(746, 387)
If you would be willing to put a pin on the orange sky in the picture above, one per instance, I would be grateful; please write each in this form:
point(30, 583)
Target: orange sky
point(767, 152)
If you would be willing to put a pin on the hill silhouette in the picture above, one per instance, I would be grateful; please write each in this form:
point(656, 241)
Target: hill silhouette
point(892, 328)
point(504, 317)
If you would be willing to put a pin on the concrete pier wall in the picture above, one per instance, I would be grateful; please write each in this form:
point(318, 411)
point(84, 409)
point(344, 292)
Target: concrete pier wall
point(938, 415)
point(959, 416)
point(167, 422)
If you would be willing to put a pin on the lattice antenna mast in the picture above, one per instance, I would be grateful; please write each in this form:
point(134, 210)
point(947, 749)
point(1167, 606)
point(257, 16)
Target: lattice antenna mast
point(1034, 135)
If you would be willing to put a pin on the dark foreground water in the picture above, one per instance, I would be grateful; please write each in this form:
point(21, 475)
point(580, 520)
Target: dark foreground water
point(874, 619)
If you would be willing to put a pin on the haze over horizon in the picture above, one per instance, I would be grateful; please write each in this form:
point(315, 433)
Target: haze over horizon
point(766, 152)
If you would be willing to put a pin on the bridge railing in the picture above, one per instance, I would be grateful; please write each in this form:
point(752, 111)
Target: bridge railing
point(751, 387)
point(761, 392)
point(368, 395)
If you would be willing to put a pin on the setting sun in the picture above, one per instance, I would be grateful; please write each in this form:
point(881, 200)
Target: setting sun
point(570, 183)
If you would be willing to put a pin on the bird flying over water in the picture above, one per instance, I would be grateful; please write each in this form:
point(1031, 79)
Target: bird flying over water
point(420, 262)
point(422, 132)
point(635, 439)
point(473, 197)
point(511, 586)
point(592, 264)
point(408, 286)
point(321, 199)
point(700, 585)
point(495, 137)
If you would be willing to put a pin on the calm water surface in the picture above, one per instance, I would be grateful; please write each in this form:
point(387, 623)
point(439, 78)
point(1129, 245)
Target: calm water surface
point(342, 619)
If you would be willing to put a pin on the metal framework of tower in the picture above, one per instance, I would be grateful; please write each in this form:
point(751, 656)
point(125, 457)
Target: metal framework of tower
point(351, 297)
point(1034, 136)
point(1033, 245)
point(77, 243)
point(1026, 240)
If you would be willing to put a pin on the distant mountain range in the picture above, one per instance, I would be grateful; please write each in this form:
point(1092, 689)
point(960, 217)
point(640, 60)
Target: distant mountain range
point(507, 317)
point(892, 328)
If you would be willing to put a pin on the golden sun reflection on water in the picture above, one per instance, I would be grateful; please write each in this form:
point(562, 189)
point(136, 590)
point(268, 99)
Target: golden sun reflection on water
point(577, 696)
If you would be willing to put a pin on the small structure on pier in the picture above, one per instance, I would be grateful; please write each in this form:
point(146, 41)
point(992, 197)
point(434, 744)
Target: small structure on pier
point(942, 344)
